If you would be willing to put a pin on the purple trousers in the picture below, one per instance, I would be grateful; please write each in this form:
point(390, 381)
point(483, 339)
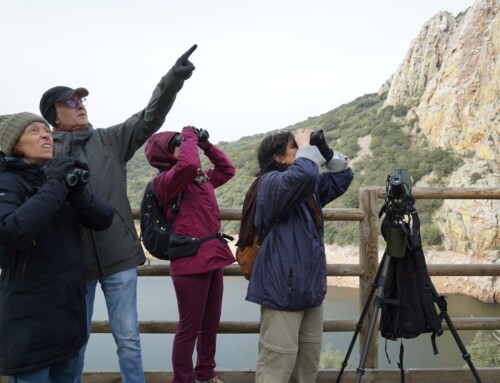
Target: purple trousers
point(199, 300)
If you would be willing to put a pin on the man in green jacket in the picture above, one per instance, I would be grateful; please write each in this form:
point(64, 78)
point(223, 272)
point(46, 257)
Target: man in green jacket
point(111, 256)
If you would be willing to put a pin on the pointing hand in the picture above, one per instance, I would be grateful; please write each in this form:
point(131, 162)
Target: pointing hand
point(183, 68)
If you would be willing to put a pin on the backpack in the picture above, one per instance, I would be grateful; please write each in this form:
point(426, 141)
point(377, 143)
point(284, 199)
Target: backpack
point(248, 244)
point(155, 230)
point(409, 299)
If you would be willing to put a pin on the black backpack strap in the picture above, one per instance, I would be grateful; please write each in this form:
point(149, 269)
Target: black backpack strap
point(428, 288)
point(175, 206)
point(400, 364)
point(220, 235)
point(386, 353)
point(436, 324)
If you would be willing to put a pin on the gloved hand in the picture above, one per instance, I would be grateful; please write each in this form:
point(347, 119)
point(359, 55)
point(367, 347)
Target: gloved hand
point(58, 167)
point(202, 134)
point(183, 68)
point(318, 140)
point(204, 145)
point(203, 137)
point(81, 165)
point(189, 128)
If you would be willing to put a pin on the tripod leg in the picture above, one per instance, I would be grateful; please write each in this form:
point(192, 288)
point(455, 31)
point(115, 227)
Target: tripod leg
point(461, 346)
point(376, 307)
point(359, 325)
point(465, 355)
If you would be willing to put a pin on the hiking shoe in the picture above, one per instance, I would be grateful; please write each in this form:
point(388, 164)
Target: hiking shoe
point(213, 380)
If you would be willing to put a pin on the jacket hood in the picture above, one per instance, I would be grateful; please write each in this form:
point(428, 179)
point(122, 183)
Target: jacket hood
point(30, 172)
point(157, 153)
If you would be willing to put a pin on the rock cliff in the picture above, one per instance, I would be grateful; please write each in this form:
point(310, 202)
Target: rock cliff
point(451, 77)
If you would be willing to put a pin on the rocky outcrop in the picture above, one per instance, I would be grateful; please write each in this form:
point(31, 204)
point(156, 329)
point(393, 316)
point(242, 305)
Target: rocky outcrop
point(451, 78)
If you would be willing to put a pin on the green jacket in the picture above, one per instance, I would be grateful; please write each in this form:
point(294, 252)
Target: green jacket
point(107, 151)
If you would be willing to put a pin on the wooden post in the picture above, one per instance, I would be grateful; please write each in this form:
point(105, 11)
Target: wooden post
point(368, 259)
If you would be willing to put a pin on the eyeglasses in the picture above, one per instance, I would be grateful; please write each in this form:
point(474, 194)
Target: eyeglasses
point(74, 102)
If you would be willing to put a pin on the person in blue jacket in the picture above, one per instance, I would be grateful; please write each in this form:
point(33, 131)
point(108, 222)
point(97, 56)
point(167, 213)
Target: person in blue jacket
point(43, 319)
point(288, 278)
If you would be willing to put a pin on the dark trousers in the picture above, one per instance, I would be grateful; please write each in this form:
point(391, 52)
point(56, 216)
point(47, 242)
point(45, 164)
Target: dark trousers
point(199, 300)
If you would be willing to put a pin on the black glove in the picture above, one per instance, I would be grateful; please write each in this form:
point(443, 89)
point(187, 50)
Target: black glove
point(202, 135)
point(57, 168)
point(183, 68)
point(318, 140)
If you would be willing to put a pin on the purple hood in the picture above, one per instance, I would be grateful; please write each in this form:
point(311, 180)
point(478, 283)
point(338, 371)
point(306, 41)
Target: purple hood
point(157, 153)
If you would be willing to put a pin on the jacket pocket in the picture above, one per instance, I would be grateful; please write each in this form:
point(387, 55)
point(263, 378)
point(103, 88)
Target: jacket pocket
point(31, 303)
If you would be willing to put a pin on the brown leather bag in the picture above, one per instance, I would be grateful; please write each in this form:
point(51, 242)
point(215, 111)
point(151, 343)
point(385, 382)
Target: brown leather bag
point(246, 256)
point(247, 247)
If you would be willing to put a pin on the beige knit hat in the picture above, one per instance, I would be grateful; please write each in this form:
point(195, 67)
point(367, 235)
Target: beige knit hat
point(12, 127)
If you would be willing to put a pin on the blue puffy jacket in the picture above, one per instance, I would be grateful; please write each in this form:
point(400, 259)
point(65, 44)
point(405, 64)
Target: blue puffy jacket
point(290, 270)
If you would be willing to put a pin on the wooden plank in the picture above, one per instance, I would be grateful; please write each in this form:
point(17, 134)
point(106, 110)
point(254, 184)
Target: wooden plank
point(445, 375)
point(329, 214)
point(349, 270)
point(450, 193)
point(252, 327)
point(160, 270)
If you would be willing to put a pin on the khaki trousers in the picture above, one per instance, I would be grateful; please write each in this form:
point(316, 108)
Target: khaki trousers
point(289, 345)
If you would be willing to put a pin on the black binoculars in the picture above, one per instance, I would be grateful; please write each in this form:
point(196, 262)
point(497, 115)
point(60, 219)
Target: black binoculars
point(78, 175)
point(316, 137)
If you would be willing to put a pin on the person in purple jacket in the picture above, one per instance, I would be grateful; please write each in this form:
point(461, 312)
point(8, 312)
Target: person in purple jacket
point(288, 278)
point(198, 279)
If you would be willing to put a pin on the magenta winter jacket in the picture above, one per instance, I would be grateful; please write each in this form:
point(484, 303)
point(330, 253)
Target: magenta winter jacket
point(199, 214)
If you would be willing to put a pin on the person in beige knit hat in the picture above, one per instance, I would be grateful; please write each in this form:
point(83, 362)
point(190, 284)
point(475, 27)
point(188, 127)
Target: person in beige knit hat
point(42, 283)
point(12, 126)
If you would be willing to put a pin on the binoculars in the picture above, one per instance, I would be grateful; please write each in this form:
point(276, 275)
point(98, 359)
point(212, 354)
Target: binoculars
point(316, 137)
point(78, 175)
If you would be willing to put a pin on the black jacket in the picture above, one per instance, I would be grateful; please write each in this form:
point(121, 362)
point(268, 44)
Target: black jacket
point(42, 287)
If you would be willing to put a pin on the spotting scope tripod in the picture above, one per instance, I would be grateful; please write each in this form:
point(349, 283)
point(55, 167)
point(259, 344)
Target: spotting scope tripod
point(399, 212)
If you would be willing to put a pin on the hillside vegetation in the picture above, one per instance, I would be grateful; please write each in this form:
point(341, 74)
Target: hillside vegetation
point(391, 146)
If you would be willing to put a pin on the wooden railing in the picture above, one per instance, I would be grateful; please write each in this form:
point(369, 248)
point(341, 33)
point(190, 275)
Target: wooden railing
point(367, 216)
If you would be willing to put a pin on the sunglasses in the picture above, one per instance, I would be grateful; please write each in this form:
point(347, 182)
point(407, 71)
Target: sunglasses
point(274, 135)
point(74, 102)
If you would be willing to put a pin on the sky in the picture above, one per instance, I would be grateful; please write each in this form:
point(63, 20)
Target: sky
point(261, 65)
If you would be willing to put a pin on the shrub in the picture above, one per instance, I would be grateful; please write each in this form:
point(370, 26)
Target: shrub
point(474, 177)
point(485, 349)
point(331, 359)
point(431, 235)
